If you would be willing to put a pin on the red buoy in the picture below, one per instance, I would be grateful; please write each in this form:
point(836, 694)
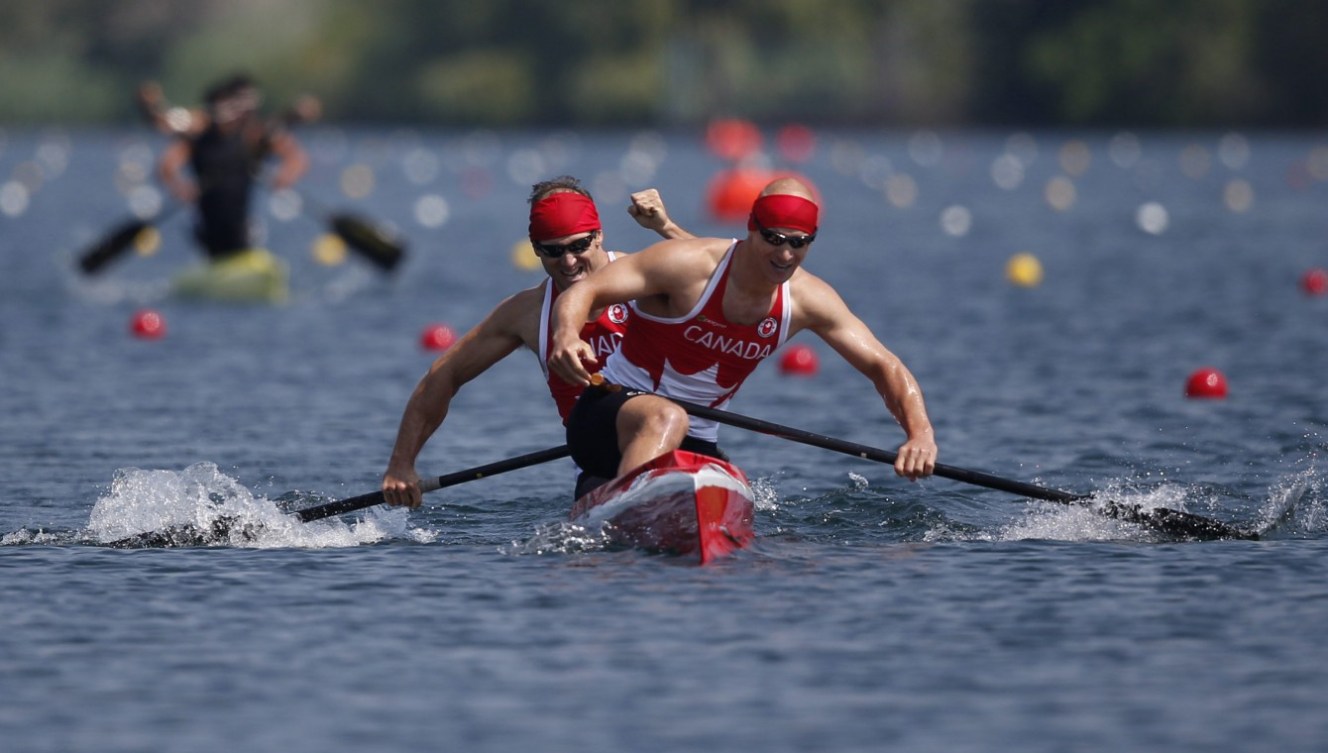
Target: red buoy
point(799, 360)
point(733, 138)
point(437, 337)
point(147, 324)
point(1315, 281)
point(1206, 383)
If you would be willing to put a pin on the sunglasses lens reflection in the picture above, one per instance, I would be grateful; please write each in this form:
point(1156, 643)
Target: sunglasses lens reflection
point(555, 251)
point(779, 239)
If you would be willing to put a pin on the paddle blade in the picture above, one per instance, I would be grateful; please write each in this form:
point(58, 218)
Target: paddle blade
point(371, 241)
point(219, 531)
point(111, 247)
point(1177, 523)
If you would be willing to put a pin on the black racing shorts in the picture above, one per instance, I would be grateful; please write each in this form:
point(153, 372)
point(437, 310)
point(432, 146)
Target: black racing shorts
point(592, 435)
point(223, 223)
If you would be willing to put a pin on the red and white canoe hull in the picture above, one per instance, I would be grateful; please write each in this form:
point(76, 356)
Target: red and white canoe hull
point(679, 503)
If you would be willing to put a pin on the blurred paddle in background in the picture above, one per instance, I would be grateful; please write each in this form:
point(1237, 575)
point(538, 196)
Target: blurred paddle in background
point(119, 240)
point(369, 239)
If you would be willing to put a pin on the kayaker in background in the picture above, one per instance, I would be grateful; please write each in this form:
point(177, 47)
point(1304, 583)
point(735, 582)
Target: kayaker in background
point(704, 313)
point(225, 148)
point(566, 233)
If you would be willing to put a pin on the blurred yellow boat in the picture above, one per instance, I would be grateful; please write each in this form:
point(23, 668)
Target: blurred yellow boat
point(254, 275)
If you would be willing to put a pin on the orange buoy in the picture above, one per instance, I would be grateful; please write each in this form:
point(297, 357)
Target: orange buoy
point(799, 360)
point(1315, 281)
point(147, 324)
point(731, 192)
point(437, 337)
point(1206, 383)
point(732, 138)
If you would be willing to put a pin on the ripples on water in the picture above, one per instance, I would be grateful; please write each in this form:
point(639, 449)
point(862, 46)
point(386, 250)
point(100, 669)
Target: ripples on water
point(871, 614)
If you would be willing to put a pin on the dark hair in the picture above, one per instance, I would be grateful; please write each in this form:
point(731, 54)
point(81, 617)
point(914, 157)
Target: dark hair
point(560, 183)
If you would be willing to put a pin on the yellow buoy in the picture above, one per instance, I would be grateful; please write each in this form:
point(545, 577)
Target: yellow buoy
point(1024, 270)
point(329, 250)
point(523, 256)
point(147, 241)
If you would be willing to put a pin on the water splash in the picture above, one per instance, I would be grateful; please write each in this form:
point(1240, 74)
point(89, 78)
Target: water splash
point(563, 537)
point(152, 500)
point(1095, 519)
point(1052, 522)
point(765, 497)
point(39, 536)
point(1295, 505)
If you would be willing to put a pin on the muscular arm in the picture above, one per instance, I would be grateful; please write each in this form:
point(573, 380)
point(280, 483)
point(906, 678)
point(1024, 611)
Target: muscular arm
point(819, 308)
point(170, 169)
point(506, 328)
point(615, 283)
point(293, 162)
point(666, 273)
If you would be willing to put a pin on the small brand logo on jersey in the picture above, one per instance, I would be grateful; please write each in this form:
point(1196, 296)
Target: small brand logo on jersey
point(767, 327)
point(618, 313)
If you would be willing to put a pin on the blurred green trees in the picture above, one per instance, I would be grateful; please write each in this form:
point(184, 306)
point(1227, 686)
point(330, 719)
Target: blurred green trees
point(665, 62)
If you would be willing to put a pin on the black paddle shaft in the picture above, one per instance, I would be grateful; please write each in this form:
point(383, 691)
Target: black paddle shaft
point(1172, 522)
point(339, 507)
point(119, 240)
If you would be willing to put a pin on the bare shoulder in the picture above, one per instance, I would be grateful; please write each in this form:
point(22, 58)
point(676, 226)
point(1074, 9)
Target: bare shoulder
point(683, 256)
point(517, 315)
point(816, 303)
point(668, 278)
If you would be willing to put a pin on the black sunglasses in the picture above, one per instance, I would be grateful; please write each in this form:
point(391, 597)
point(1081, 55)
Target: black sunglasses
point(556, 251)
point(779, 239)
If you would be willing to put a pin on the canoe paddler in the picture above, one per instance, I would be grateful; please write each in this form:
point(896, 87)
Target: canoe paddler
point(703, 313)
point(225, 150)
point(566, 233)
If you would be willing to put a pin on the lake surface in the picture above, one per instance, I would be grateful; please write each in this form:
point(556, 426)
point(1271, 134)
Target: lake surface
point(872, 614)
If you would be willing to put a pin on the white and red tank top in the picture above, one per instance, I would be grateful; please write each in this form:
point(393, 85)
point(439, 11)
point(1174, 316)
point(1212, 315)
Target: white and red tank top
point(700, 356)
point(604, 333)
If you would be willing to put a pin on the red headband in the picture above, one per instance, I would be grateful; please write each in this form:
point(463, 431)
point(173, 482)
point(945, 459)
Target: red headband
point(786, 211)
point(561, 214)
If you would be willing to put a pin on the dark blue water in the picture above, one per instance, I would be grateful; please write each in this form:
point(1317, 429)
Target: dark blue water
point(872, 614)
